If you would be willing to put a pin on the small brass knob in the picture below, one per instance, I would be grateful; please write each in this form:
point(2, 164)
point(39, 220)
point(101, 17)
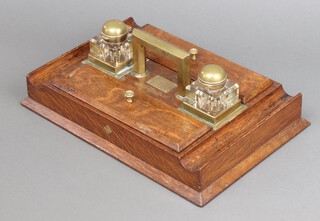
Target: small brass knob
point(213, 76)
point(193, 52)
point(114, 31)
point(129, 94)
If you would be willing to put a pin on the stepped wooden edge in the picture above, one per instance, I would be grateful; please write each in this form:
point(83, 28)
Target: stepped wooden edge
point(198, 198)
point(198, 168)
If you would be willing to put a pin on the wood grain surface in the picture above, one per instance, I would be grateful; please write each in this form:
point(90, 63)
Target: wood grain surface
point(148, 113)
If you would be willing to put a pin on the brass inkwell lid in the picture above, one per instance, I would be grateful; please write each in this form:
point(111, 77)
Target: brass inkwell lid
point(114, 31)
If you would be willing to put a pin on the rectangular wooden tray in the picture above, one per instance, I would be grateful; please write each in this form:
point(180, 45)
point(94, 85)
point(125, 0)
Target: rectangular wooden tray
point(151, 135)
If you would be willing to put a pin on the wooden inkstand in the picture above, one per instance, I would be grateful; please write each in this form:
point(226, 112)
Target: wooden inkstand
point(188, 119)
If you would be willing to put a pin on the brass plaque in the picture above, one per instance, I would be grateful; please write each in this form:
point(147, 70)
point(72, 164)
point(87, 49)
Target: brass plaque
point(162, 84)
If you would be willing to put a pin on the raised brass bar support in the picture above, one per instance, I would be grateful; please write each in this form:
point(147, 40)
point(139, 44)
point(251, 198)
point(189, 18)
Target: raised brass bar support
point(139, 63)
point(142, 40)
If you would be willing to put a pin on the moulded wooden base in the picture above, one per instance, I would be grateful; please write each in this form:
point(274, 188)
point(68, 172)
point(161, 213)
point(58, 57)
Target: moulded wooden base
point(198, 198)
point(151, 135)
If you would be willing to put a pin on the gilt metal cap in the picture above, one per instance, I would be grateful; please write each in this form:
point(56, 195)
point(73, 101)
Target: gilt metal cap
point(193, 52)
point(129, 94)
point(114, 31)
point(213, 76)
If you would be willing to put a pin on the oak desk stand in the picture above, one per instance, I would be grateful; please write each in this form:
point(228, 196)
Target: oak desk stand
point(150, 134)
